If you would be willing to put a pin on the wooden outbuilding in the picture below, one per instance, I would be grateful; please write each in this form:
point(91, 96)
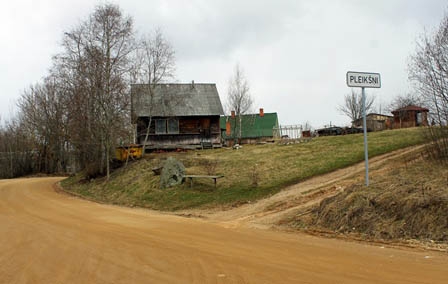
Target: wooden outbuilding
point(181, 116)
point(410, 116)
point(374, 122)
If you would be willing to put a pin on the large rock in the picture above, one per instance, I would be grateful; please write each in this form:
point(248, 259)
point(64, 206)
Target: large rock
point(172, 173)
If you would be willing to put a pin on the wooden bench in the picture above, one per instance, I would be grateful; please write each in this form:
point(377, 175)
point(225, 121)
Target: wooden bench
point(191, 177)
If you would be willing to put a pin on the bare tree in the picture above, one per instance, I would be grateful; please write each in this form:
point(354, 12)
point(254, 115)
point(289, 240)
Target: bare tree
point(352, 106)
point(44, 118)
point(95, 65)
point(401, 101)
point(157, 63)
point(239, 98)
point(81, 109)
point(428, 70)
point(16, 150)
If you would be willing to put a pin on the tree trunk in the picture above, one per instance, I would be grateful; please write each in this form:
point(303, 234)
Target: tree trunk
point(146, 136)
point(107, 161)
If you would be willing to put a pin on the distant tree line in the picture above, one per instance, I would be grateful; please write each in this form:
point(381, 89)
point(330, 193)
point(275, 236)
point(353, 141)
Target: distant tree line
point(75, 116)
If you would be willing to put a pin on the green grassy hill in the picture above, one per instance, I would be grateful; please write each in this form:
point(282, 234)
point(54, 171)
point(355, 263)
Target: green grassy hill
point(271, 166)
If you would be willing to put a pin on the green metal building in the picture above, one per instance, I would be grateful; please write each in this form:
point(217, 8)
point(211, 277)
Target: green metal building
point(249, 128)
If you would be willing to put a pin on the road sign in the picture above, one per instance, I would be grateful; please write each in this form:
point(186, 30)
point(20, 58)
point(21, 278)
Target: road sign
point(363, 79)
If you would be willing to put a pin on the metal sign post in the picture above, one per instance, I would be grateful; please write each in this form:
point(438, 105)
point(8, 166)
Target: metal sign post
point(366, 148)
point(364, 80)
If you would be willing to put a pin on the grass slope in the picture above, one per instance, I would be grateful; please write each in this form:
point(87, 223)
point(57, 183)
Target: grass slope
point(273, 166)
point(408, 202)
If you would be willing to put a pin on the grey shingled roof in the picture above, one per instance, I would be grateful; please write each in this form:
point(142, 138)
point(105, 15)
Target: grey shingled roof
point(176, 100)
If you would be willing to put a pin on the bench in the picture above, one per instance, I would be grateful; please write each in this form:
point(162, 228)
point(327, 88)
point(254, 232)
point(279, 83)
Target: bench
point(191, 177)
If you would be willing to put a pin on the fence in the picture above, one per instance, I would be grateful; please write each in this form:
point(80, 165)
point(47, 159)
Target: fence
point(288, 131)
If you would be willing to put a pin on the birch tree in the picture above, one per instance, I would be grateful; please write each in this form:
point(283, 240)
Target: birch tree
point(96, 64)
point(239, 98)
point(157, 63)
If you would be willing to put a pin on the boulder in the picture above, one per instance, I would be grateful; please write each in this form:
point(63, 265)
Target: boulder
point(172, 173)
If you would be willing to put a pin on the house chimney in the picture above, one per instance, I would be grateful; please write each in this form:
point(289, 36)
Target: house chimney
point(192, 84)
point(261, 112)
point(233, 114)
point(228, 128)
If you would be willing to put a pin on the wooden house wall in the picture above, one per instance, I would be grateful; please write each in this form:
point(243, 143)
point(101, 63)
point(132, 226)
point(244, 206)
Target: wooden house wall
point(409, 119)
point(375, 122)
point(375, 125)
point(192, 131)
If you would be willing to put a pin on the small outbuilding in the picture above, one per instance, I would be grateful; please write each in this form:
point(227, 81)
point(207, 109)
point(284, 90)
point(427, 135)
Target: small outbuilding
point(248, 128)
point(180, 116)
point(374, 122)
point(410, 116)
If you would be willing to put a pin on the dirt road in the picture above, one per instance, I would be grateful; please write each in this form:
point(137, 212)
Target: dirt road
point(49, 237)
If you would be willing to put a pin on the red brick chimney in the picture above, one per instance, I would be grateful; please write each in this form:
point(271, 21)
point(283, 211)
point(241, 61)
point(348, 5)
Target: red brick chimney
point(261, 112)
point(233, 114)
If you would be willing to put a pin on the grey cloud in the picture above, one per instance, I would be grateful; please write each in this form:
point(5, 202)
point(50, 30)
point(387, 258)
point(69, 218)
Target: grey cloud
point(295, 53)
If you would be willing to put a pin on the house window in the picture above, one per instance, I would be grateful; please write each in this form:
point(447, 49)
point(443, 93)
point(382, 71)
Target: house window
point(160, 126)
point(170, 126)
point(173, 126)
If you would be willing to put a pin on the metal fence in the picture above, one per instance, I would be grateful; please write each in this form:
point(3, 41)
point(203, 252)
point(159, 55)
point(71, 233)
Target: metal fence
point(288, 131)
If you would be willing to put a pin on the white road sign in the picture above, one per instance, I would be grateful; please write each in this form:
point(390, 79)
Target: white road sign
point(363, 80)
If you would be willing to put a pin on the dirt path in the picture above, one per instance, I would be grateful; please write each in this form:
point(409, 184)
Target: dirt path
point(267, 212)
point(48, 237)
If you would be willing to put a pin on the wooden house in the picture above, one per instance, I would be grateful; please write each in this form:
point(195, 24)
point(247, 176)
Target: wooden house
point(410, 116)
point(254, 128)
point(182, 116)
point(374, 122)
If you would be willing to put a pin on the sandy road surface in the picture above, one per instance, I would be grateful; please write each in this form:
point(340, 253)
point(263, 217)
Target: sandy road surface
point(48, 237)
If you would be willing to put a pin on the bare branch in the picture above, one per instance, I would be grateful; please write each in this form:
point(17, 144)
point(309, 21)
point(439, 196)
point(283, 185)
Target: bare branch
point(352, 106)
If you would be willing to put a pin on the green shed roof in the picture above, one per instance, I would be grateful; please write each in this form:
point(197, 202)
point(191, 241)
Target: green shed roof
point(253, 125)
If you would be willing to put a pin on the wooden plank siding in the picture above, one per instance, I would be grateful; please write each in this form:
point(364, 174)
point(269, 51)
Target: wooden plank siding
point(410, 116)
point(192, 131)
point(409, 119)
point(182, 115)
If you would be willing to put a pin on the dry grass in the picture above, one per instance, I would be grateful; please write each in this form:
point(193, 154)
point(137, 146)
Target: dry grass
point(408, 202)
point(276, 167)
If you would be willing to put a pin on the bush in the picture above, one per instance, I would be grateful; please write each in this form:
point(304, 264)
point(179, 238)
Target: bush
point(437, 149)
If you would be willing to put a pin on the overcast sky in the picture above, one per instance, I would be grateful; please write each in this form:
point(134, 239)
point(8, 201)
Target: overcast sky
point(295, 54)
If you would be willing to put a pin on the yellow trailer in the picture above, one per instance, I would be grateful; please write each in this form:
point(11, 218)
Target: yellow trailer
point(133, 150)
